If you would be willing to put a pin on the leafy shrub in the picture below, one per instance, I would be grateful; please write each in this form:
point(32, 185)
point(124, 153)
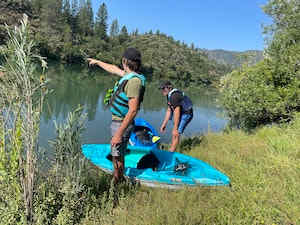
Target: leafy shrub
point(189, 143)
point(261, 94)
point(11, 201)
point(270, 91)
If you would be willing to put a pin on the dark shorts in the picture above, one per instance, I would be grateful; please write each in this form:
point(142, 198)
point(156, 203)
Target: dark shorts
point(185, 119)
point(120, 149)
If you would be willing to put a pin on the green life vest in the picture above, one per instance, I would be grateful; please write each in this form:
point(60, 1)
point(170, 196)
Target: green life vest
point(119, 100)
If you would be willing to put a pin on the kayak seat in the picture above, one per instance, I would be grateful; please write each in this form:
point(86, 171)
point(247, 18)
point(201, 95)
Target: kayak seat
point(139, 160)
point(143, 135)
point(148, 161)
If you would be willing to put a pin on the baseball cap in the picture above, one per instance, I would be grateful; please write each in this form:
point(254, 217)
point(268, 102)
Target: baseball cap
point(132, 54)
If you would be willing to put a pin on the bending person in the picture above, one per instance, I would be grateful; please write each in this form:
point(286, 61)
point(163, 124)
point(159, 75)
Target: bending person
point(180, 109)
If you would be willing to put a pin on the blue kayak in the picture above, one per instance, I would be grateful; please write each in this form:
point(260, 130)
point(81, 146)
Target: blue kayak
point(144, 134)
point(158, 168)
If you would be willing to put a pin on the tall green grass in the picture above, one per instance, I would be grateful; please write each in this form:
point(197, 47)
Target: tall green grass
point(264, 169)
point(21, 99)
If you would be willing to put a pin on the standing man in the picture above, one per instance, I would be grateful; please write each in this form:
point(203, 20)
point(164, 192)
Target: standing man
point(180, 108)
point(124, 104)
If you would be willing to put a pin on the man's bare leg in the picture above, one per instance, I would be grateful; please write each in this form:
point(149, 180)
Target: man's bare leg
point(118, 163)
point(175, 142)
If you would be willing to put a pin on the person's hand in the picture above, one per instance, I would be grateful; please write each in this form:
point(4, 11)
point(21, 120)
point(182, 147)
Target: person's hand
point(175, 133)
point(116, 139)
point(163, 128)
point(92, 61)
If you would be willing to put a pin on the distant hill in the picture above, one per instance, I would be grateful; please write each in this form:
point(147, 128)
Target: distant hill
point(64, 36)
point(169, 59)
point(234, 58)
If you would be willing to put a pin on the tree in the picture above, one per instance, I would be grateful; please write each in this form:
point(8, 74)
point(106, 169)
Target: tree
point(74, 8)
point(85, 18)
point(114, 29)
point(101, 22)
point(123, 35)
point(51, 27)
point(192, 46)
point(124, 30)
point(37, 5)
point(90, 14)
point(74, 20)
point(269, 91)
point(284, 32)
point(67, 15)
point(135, 32)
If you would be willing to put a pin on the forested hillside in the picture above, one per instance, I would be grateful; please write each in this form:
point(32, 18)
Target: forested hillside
point(11, 12)
point(235, 58)
point(66, 30)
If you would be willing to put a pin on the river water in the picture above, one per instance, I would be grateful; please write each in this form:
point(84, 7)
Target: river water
point(73, 86)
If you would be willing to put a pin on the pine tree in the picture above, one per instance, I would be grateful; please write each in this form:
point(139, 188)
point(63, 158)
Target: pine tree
point(135, 32)
point(85, 17)
point(114, 29)
point(37, 5)
point(124, 31)
point(90, 15)
point(74, 20)
point(123, 35)
point(66, 13)
point(82, 4)
point(192, 46)
point(101, 22)
point(74, 7)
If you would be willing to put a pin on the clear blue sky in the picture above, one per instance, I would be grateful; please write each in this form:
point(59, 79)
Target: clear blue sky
point(212, 24)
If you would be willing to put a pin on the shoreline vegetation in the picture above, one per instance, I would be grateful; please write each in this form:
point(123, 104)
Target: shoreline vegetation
point(263, 164)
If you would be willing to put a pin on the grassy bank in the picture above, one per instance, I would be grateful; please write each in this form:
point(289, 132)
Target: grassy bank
point(264, 168)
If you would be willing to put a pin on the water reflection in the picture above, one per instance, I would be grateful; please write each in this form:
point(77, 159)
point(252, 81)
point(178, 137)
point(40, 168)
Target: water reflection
point(73, 86)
